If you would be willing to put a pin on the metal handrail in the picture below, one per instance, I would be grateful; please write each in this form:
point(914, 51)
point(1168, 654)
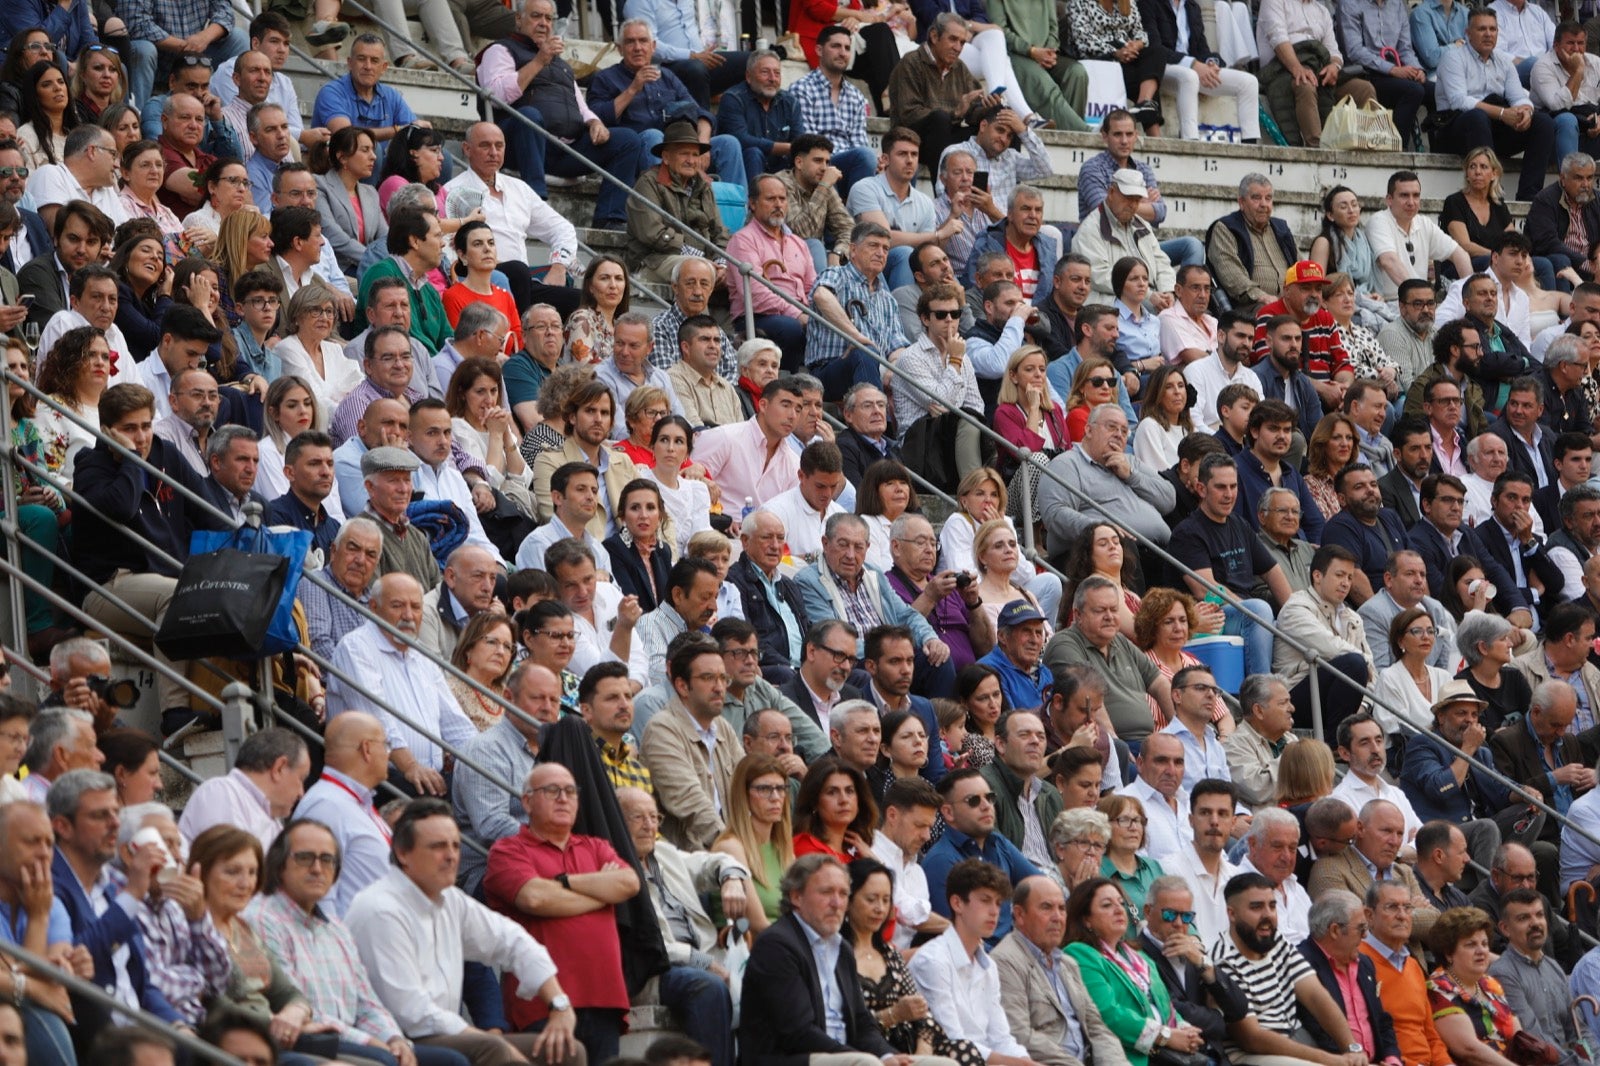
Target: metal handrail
point(138, 1016)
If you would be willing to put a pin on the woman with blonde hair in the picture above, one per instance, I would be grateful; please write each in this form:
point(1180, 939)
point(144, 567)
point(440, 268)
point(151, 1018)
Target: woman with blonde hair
point(1165, 622)
point(98, 82)
point(995, 553)
point(759, 835)
point(290, 410)
point(1026, 416)
point(1094, 383)
point(982, 496)
point(309, 353)
point(1305, 774)
point(1332, 447)
point(244, 242)
point(1166, 418)
point(646, 406)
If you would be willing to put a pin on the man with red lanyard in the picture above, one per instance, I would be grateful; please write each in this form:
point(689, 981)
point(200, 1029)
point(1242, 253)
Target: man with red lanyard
point(355, 763)
point(1323, 357)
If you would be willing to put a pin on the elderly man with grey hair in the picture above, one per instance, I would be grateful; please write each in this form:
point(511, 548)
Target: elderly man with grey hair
point(1122, 489)
point(1278, 516)
point(102, 907)
point(1338, 927)
point(267, 780)
point(1266, 726)
point(87, 171)
point(189, 960)
point(1095, 639)
point(1271, 847)
point(59, 741)
point(1250, 250)
point(72, 663)
point(1441, 784)
point(1565, 408)
point(232, 454)
point(856, 733)
point(481, 331)
point(1204, 996)
point(854, 298)
point(865, 438)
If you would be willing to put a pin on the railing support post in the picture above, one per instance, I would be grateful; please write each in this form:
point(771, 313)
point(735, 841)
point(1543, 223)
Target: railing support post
point(238, 719)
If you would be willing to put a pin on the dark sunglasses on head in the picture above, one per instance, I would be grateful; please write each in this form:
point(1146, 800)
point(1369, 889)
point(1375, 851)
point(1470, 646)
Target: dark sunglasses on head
point(195, 61)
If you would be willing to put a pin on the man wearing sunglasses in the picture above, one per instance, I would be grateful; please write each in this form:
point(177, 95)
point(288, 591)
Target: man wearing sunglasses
point(32, 236)
point(968, 810)
point(1203, 995)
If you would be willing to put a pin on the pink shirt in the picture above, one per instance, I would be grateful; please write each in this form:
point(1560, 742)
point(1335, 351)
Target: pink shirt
point(497, 72)
point(785, 261)
point(736, 458)
point(1355, 1003)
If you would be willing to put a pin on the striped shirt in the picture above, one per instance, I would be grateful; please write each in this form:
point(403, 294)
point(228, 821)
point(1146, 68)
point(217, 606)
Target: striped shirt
point(1268, 982)
point(1323, 354)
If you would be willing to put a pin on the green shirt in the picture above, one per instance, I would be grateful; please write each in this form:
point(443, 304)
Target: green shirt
point(429, 323)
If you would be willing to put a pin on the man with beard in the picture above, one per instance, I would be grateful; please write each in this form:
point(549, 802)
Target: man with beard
point(1277, 982)
point(1265, 464)
point(1324, 357)
point(1203, 862)
point(1371, 531)
point(1226, 365)
point(1554, 210)
point(1408, 339)
point(1535, 985)
point(1457, 356)
point(400, 677)
point(1401, 487)
point(762, 115)
point(1580, 533)
point(783, 259)
point(589, 413)
point(1441, 536)
point(821, 683)
point(693, 778)
point(1279, 376)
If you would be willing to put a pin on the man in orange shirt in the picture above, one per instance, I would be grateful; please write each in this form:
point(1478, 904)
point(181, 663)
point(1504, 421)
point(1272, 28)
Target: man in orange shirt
point(1401, 979)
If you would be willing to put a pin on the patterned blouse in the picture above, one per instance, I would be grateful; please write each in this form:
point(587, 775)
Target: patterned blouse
point(1488, 1011)
point(1322, 492)
point(891, 988)
point(978, 749)
point(1100, 32)
point(589, 337)
point(1366, 354)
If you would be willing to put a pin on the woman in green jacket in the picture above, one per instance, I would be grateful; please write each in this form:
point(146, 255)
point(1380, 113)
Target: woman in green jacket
point(1123, 983)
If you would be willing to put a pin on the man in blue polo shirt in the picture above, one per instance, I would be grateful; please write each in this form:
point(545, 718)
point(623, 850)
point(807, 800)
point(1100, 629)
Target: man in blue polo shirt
point(308, 462)
point(968, 810)
point(1025, 681)
point(360, 98)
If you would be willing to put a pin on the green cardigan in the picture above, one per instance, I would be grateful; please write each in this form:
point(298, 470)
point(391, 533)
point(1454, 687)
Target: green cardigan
point(429, 323)
point(1123, 1004)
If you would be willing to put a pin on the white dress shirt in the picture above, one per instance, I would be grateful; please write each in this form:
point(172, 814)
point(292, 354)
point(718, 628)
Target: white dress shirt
point(1168, 831)
point(963, 994)
point(53, 185)
point(515, 214)
point(1210, 906)
point(405, 681)
point(912, 906)
point(1358, 793)
point(232, 799)
point(414, 950)
point(1199, 762)
point(1294, 906)
point(802, 524)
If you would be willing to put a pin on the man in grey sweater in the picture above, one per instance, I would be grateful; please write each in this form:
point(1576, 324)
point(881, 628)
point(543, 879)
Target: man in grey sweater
point(1128, 492)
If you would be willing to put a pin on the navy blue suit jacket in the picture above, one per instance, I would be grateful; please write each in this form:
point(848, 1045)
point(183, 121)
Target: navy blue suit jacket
point(1430, 784)
point(1429, 543)
point(103, 935)
point(1386, 1046)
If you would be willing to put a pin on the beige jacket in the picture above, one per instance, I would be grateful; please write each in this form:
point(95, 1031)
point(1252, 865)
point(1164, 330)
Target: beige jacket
point(619, 471)
point(692, 784)
point(1035, 1015)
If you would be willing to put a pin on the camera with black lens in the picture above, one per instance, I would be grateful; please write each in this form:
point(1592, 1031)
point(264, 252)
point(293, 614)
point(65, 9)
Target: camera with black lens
point(121, 693)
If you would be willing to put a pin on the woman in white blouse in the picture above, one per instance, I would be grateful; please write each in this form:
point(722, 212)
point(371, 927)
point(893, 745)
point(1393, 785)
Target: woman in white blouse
point(1166, 419)
point(1409, 683)
point(308, 354)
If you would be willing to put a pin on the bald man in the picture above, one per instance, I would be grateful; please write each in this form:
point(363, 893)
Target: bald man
point(507, 751)
point(401, 688)
point(355, 764)
point(563, 888)
point(467, 590)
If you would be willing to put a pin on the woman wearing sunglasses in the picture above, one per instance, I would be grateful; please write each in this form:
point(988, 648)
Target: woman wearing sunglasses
point(1095, 383)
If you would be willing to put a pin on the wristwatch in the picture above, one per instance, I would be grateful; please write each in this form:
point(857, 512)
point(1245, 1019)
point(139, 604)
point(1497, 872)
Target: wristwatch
point(1165, 1036)
point(560, 1003)
point(1355, 1049)
point(563, 881)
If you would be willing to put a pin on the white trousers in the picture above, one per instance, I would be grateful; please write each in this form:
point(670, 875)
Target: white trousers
point(1244, 89)
point(437, 23)
point(986, 56)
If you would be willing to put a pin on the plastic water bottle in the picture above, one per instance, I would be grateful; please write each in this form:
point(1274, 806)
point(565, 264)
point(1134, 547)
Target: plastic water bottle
point(748, 510)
